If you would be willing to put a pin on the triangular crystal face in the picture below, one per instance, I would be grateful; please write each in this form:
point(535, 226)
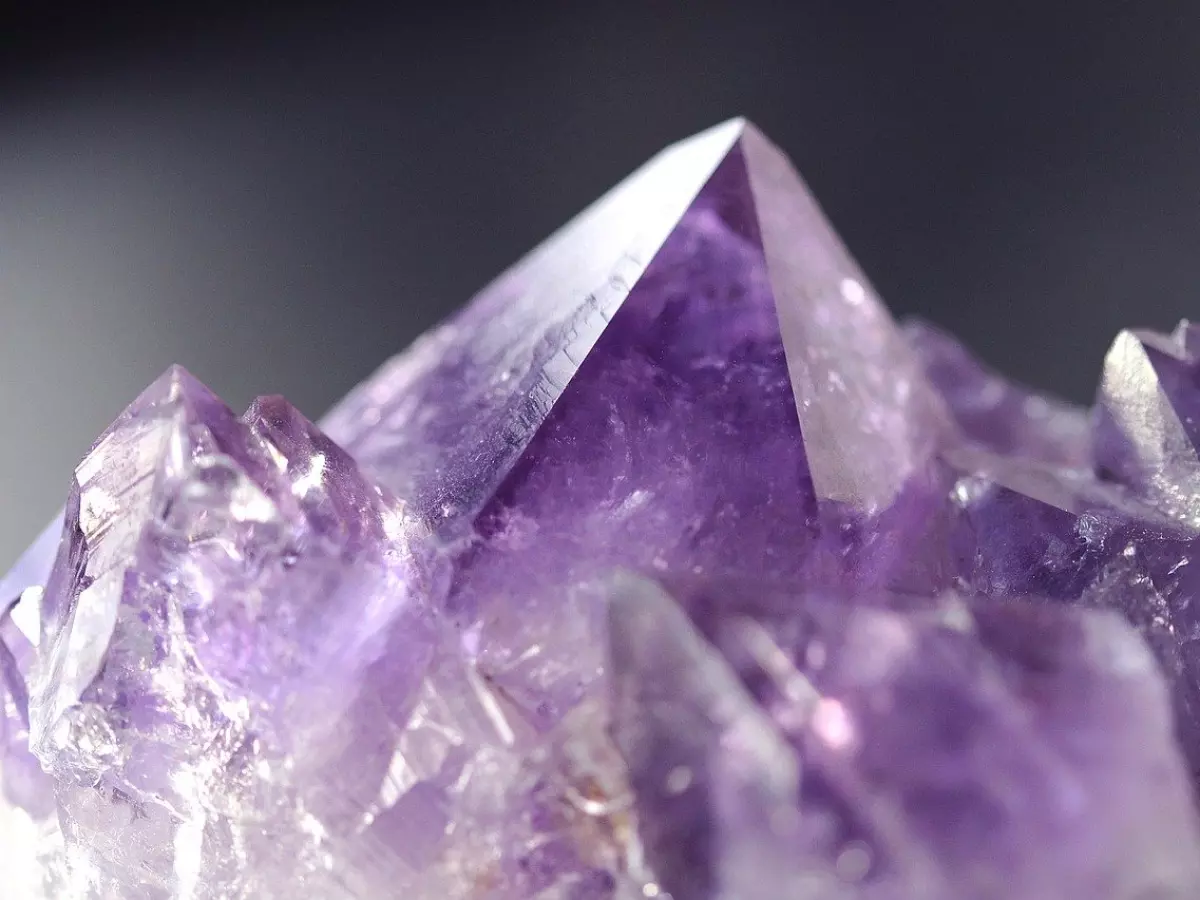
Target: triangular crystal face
point(449, 417)
point(869, 417)
point(676, 443)
point(681, 440)
point(1147, 418)
point(719, 246)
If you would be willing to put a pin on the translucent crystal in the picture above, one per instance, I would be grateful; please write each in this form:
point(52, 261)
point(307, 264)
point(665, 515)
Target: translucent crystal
point(786, 743)
point(899, 629)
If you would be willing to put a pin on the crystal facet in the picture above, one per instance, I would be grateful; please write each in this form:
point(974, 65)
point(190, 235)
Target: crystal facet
point(670, 567)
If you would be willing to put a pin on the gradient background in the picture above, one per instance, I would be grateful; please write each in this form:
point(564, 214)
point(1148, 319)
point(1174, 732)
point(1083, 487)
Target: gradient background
point(281, 199)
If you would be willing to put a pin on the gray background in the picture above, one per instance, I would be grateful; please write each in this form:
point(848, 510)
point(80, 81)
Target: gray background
point(281, 199)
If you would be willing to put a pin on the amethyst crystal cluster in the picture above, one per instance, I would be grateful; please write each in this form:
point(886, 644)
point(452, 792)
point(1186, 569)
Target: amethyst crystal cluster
point(670, 568)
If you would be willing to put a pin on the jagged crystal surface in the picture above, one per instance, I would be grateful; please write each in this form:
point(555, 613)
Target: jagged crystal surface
point(670, 567)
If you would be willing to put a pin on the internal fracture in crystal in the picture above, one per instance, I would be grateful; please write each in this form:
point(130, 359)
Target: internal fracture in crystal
point(671, 566)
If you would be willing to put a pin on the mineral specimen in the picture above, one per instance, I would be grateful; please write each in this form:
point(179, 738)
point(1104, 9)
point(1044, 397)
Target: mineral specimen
point(671, 567)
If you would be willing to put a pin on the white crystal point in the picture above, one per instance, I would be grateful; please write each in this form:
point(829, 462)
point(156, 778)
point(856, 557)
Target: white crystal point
point(868, 414)
point(1145, 433)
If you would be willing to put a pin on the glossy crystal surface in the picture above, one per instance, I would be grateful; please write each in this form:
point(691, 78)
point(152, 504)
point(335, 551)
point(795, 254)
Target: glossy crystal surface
point(670, 567)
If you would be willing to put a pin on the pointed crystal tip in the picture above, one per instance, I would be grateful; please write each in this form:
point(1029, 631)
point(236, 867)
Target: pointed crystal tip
point(445, 423)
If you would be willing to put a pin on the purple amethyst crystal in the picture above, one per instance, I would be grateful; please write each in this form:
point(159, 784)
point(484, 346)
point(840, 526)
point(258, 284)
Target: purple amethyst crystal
point(902, 630)
point(995, 413)
point(894, 752)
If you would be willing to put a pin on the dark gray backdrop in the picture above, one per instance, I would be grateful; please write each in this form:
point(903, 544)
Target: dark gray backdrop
point(279, 200)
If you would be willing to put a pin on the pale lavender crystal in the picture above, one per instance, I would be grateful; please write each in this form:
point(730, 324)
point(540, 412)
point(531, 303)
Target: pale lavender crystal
point(33, 568)
point(957, 750)
point(21, 780)
point(995, 413)
point(1121, 535)
point(29, 836)
point(225, 592)
point(389, 657)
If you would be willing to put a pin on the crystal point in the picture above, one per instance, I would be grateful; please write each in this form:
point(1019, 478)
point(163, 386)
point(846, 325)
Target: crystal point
point(729, 249)
point(668, 567)
point(1147, 419)
point(225, 590)
point(868, 414)
point(513, 351)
